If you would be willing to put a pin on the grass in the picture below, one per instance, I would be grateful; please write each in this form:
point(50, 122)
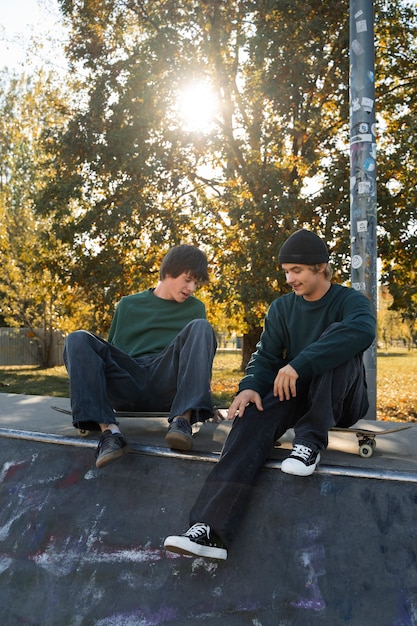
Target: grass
point(36, 381)
point(397, 386)
point(396, 382)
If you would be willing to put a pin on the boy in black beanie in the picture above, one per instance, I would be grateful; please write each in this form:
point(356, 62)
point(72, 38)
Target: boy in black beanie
point(307, 374)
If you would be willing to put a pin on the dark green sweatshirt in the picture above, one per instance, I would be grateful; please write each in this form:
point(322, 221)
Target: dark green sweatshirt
point(291, 335)
point(145, 324)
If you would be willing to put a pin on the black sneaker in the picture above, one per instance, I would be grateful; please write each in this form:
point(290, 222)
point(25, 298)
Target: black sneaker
point(302, 461)
point(180, 434)
point(111, 446)
point(199, 540)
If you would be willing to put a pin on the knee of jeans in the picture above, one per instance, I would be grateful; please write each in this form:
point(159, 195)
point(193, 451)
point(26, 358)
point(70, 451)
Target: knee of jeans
point(199, 322)
point(200, 326)
point(76, 338)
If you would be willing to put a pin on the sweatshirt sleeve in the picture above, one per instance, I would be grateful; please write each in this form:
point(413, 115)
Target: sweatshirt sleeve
point(349, 334)
point(312, 342)
point(268, 359)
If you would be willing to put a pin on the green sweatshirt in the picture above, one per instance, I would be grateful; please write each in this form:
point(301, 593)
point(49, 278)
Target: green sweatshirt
point(145, 324)
point(291, 335)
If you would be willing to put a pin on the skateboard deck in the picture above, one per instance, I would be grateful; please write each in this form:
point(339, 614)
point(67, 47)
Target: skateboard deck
point(366, 437)
point(117, 414)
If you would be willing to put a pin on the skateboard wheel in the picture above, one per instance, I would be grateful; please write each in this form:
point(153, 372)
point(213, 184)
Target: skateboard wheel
point(83, 433)
point(366, 450)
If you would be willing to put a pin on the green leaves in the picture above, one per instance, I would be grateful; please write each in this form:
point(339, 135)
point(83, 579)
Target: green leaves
point(119, 177)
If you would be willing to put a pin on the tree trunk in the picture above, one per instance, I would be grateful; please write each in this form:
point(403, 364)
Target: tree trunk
point(250, 339)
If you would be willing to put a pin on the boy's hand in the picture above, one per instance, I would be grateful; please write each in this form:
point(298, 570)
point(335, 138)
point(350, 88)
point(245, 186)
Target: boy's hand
point(239, 404)
point(285, 383)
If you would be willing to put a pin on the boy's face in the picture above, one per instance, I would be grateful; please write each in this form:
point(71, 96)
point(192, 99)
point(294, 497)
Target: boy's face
point(179, 288)
point(304, 282)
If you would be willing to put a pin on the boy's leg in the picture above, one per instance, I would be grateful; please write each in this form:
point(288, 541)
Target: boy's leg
point(192, 360)
point(180, 377)
point(101, 377)
point(223, 497)
point(336, 397)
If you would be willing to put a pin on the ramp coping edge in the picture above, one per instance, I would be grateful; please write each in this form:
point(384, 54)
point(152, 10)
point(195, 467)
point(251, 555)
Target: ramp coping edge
point(323, 469)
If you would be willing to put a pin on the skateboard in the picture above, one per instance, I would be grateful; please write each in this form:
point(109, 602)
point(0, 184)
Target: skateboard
point(366, 437)
point(150, 414)
point(84, 432)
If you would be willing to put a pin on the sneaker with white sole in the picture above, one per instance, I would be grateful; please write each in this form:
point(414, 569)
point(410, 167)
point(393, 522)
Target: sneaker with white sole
point(199, 540)
point(302, 461)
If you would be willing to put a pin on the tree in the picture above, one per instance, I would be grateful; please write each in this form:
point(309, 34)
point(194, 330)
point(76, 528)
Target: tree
point(136, 173)
point(398, 170)
point(132, 179)
point(33, 290)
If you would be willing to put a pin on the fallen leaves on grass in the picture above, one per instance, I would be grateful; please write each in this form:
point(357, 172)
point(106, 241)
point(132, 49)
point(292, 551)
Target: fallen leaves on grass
point(397, 388)
point(396, 384)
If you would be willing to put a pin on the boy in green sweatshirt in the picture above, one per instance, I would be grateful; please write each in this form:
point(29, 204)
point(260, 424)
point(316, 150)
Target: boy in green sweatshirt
point(158, 357)
point(307, 374)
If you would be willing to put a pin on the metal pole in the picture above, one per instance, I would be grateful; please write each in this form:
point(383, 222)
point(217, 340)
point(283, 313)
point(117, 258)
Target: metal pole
point(363, 205)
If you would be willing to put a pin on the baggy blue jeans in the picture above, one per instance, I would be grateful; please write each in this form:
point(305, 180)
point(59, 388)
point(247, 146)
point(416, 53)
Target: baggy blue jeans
point(336, 397)
point(104, 378)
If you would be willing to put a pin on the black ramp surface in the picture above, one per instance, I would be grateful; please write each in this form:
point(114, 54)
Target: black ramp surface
point(81, 546)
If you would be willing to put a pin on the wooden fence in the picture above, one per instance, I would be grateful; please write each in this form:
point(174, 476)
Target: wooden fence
point(21, 346)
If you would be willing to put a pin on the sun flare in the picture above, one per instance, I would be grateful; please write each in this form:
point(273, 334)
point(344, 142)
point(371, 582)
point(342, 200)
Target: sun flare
point(197, 106)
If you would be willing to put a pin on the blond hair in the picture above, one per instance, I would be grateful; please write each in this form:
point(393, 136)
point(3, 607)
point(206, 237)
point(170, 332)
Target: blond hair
point(328, 270)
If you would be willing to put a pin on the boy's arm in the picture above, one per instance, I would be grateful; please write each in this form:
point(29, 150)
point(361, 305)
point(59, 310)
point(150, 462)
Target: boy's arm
point(268, 359)
point(351, 335)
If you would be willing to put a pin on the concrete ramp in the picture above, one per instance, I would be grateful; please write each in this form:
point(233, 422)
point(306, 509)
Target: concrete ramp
point(81, 546)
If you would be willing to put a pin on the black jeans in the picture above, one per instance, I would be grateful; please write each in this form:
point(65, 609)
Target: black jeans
point(337, 397)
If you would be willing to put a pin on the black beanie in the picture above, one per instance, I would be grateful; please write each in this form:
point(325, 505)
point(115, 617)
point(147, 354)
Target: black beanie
point(303, 247)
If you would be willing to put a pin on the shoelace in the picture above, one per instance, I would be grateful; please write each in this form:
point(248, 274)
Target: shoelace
point(198, 530)
point(302, 451)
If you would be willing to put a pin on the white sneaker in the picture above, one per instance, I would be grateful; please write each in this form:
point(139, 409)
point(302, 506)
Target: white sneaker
point(301, 462)
point(199, 540)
